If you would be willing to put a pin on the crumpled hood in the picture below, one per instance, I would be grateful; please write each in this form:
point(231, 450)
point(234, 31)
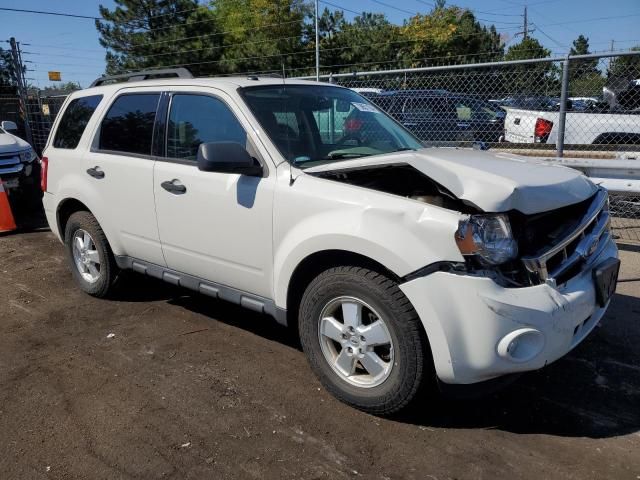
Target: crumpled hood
point(10, 143)
point(493, 182)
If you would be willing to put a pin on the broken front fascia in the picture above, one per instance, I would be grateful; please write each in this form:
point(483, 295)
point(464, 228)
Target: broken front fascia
point(480, 330)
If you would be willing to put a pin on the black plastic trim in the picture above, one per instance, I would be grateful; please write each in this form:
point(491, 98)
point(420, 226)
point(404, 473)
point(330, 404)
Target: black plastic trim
point(443, 266)
point(211, 289)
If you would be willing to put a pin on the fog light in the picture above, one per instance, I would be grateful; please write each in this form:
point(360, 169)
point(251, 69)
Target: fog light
point(521, 345)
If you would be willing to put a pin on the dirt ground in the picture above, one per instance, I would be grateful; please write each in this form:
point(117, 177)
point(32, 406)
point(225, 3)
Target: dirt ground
point(161, 383)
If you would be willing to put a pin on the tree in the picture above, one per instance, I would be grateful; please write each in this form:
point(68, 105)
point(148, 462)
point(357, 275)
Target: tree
point(626, 67)
point(370, 41)
point(540, 78)
point(64, 87)
point(448, 32)
point(143, 34)
point(330, 27)
point(587, 70)
point(262, 35)
point(7, 72)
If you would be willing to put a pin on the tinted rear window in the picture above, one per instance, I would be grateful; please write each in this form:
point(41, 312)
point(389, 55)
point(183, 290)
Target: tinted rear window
point(128, 125)
point(75, 120)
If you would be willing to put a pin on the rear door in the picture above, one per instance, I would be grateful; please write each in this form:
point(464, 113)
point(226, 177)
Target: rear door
point(120, 168)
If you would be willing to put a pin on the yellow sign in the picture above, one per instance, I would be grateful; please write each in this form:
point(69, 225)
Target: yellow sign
point(45, 109)
point(55, 76)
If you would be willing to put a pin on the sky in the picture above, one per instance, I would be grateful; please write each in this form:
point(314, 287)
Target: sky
point(70, 45)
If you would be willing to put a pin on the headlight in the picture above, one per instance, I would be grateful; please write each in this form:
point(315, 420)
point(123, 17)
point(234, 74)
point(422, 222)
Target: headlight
point(488, 237)
point(28, 155)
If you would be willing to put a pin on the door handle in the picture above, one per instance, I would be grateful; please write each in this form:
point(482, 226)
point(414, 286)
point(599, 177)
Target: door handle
point(174, 186)
point(95, 172)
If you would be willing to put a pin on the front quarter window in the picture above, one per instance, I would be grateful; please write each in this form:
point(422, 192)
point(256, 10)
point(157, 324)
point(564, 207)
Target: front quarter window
point(315, 124)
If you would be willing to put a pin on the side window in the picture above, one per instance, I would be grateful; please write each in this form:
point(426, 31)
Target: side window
point(75, 120)
point(128, 125)
point(196, 119)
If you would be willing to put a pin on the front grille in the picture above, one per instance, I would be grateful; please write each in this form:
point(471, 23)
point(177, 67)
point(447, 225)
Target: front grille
point(568, 256)
point(10, 163)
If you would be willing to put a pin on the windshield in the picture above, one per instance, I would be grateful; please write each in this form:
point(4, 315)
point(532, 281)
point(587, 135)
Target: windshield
point(314, 124)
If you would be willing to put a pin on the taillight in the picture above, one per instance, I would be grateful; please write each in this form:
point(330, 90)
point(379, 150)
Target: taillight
point(44, 171)
point(542, 129)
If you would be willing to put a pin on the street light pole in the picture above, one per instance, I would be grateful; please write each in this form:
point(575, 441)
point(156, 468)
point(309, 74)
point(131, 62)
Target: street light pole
point(317, 46)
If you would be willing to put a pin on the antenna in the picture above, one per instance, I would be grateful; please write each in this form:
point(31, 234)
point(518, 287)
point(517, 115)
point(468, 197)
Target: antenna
point(284, 103)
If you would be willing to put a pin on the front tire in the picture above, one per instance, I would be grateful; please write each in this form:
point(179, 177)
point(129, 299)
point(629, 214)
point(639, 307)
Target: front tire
point(90, 257)
point(364, 340)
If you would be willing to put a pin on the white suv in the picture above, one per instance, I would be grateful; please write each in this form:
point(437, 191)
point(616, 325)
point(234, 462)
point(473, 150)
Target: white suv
point(396, 263)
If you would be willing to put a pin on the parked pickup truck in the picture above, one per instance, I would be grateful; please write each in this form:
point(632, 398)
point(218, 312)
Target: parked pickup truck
point(395, 264)
point(18, 165)
point(581, 128)
point(615, 120)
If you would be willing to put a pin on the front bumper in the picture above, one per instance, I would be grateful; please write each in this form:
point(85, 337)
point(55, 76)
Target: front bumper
point(13, 170)
point(471, 321)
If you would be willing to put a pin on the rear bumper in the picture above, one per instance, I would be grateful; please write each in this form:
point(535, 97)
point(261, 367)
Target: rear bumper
point(472, 322)
point(48, 202)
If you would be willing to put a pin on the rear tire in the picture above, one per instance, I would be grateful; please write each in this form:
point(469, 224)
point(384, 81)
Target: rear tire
point(90, 257)
point(377, 363)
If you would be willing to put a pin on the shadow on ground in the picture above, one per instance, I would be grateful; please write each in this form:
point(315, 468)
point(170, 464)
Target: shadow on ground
point(592, 392)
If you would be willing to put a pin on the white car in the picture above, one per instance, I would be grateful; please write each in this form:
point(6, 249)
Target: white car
point(396, 264)
point(17, 158)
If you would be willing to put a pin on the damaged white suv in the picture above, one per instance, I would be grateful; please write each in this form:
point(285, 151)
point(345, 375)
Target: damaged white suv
point(396, 263)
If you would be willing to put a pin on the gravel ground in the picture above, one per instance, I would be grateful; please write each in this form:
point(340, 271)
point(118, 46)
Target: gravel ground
point(160, 383)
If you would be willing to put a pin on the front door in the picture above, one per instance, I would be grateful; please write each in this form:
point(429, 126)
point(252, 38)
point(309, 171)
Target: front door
point(212, 225)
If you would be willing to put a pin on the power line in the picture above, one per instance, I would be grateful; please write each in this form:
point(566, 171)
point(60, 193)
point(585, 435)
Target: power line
point(394, 7)
point(340, 7)
point(42, 12)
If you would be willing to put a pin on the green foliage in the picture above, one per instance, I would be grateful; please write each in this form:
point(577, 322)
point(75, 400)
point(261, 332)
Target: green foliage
point(143, 34)
point(587, 85)
point(448, 32)
point(7, 73)
point(64, 87)
point(582, 69)
point(239, 36)
point(527, 48)
point(261, 35)
point(625, 67)
point(532, 78)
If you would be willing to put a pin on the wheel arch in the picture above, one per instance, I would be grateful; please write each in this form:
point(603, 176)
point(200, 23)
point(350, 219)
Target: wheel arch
point(314, 264)
point(66, 208)
point(70, 205)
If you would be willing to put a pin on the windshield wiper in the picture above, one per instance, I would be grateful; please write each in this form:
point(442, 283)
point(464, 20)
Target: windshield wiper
point(337, 155)
point(403, 149)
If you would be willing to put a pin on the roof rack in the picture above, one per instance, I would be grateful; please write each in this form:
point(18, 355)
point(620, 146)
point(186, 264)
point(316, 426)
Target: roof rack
point(143, 75)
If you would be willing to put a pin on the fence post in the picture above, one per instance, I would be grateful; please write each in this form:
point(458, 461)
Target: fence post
point(22, 87)
point(563, 107)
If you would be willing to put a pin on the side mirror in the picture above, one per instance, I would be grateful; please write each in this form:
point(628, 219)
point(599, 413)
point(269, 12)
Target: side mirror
point(227, 157)
point(8, 125)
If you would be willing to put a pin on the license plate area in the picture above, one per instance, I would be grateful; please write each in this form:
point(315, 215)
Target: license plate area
point(605, 277)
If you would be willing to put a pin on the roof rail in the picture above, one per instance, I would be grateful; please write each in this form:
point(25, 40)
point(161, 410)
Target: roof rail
point(143, 75)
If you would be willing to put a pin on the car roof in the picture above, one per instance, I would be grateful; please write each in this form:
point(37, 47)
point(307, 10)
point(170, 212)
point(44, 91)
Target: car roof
point(224, 83)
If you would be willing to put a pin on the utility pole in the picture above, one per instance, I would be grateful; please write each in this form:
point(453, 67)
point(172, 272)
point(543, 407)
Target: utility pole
point(16, 57)
point(525, 30)
point(317, 46)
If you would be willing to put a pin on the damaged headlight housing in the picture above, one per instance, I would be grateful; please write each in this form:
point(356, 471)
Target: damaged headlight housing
point(488, 238)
